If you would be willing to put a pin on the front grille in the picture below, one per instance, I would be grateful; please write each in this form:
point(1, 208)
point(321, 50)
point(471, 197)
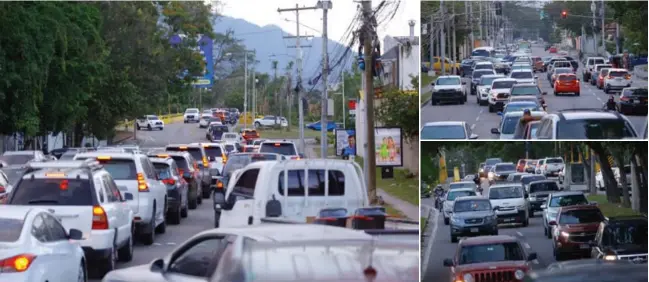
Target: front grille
point(581, 237)
point(637, 258)
point(502, 95)
point(473, 220)
point(190, 116)
point(494, 276)
point(158, 123)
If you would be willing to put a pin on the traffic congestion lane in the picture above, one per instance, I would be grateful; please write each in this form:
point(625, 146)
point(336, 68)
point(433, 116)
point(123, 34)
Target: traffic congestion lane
point(198, 220)
point(440, 246)
point(174, 133)
point(481, 120)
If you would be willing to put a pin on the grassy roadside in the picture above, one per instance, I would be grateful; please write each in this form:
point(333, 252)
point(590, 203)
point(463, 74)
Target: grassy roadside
point(425, 96)
point(422, 224)
point(400, 186)
point(610, 209)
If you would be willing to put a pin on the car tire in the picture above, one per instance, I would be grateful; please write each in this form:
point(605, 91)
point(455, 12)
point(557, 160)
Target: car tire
point(257, 125)
point(137, 126)
point(199, 198)
point(149, 238)
point(606, 89)
point(83, 272)
point(549, 234)
point(495, 233)
point(162, 228)
point(148, 127)
point(184, 211)
point(125, 253)
point(174, 216)
point(491, 108)
point(462, 100)
point(206, 192)
point(453, 239)
point(109, 263)
point(531, 213)
point(577, 93)
point(558, 256)
point(446, 221)
point(217, 219)
point(526, 222)
point(433, 102)
point(192, 203)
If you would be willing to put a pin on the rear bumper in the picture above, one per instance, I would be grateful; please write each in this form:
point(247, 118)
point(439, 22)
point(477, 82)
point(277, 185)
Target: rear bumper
point(618, 86)
point(145, 208)
point(632, 107)
point(96, 254)
point(474, 230)
point(505, 218)
point(448, 96)
point(566, 89)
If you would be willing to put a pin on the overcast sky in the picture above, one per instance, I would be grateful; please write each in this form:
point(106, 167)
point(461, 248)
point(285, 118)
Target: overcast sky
point(264, 12)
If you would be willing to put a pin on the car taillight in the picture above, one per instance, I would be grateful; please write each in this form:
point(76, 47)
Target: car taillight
point(141, 183)
point(19, 263)
point(169, 181)
point(206, 164)
point(224, 157)
point(628, 76)
point(219, 184)
point(99, 218)
point(623, 98)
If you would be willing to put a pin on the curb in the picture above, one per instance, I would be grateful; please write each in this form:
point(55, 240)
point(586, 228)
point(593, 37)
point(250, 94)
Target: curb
point(425, 103)
point(424, 242)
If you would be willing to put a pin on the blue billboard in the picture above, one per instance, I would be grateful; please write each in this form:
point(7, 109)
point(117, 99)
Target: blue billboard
point(205, 46)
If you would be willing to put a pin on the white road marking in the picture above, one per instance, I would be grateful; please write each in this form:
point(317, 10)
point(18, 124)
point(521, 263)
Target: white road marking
point(519, 233)
point(157, 244)
point(526, 245)
point(434, 215)
point(171, 244)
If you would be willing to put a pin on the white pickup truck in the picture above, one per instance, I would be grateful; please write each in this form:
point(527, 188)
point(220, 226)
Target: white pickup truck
point(149, 122)
point(295, 191)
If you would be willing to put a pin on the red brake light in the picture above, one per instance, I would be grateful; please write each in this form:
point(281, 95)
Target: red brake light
point(63, 185)
point(219, 185)
point(206, 164)
point(19, 263)
point(99, 218)
point(278, 144)
point(141, 183)
point(623, 98)
point(169, 181)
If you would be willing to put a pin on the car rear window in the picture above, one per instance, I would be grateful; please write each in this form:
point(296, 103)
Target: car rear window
point(286, 149)
point(528, 179)
point(181, 162)
point(120, 169)
point(598, 68)
point(213, 152)
point(554, 161)
point(479, 74)
point(618, 73)
point(567, 77)
point(50, 191)
point(596, 61)
point(11, 229)
point(195, 152)
point(505, 167)
point(522, 75)
point(455, 194)
point(316, 185)
point(544, 186)
point(219, 128)
point(162, 170)
point(229, 148)
point(594, 129)
point(525, 90)
point(17, 159)
point(443, 132)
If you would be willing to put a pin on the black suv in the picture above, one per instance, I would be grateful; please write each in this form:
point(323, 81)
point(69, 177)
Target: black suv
point(621, 238)
point(188, 168)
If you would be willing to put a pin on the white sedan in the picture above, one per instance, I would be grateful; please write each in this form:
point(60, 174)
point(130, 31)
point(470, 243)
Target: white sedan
point(35, 247)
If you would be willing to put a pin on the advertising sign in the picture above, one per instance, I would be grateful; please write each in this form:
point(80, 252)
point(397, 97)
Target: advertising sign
point(345, 142)
point(388, 144)
point(205, 46)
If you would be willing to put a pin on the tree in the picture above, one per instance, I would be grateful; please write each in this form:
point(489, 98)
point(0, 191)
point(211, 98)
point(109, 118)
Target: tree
point(632, 15)
point(399, 109)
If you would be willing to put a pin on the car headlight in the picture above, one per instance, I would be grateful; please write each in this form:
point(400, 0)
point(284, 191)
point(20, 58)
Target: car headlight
point(519, 274)
point(521, 207)
point(565, 234)
point(609, 257)
point(468, 277)
point(455, 220)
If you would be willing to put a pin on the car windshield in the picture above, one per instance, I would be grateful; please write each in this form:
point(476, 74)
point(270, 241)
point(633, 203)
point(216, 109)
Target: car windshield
point(505, 167)
point(510, 192)
point(52, 191)
point(448, 81)
point(640, 92)
point(570, 200)
point(618, 73)
point(471, 205)
point(525, 90)
point(581, 216)
point(479, 74)
point(11, 229)
point(531, 178)
point(503, 84)
point(443, 132)
point(191, 111)
point(509, 124)
point(622, 234)
point(543, 187)
point(286, 149)
point(594, 129)
point(554, 161)
point(17, 159)
point(471, 254)
point(458, 185)
point(480, 53)
point(519, 107)
point(454, 194)
point(521, 75)
point(487, 80)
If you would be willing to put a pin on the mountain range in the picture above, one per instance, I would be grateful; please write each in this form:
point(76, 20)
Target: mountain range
point(268, 41)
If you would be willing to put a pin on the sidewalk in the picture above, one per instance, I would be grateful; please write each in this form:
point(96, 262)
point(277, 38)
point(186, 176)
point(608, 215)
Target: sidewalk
point(409, 210)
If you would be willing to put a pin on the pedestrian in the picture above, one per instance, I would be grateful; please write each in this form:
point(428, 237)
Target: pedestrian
point(525, 119)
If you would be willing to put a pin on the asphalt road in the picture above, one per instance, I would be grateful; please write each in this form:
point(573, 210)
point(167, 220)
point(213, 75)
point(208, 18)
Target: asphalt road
point(481, 120)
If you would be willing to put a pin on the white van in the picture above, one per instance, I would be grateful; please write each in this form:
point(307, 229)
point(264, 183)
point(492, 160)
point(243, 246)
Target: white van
point(302, 187)
point(510, 203)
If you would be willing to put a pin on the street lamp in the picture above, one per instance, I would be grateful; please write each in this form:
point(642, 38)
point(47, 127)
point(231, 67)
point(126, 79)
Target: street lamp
point(245, 85)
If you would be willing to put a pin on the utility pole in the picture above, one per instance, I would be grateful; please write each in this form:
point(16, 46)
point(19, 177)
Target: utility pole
point(245, 89)
point(298, 48)
point(431, 38)
point(254, 94)
point(342, 78)
point(454, 51)
point(368, 48)
point(593, 8)
point(480, 19)
point(442, 50)
point(603, 13)
point(469, 24)
point(325, 5)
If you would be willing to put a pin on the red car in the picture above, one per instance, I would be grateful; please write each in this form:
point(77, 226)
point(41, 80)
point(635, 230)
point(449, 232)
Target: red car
point(552, 50)
point(566, 83)
point(250, 134)
point(574, 230)
point(600, 78)
point(520, 166)
point(490, 258)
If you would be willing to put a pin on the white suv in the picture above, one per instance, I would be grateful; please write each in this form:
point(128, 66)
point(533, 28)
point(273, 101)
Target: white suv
point(284, 148)
point(192, 115)
point(552, 166)
point(523, 76)
point(149, 122)
point(510, 203)
point(617, 79)
point(135, 174)
point(585, 124)
point(83, 196)
point(590, 65)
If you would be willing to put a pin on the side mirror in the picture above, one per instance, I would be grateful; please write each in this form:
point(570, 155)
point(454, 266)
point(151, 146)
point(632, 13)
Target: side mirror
point(500, 113)
point(187, 174)
point(229, 202)
point(552, 223)
point(448, 262)
point(495, 131)
point(75, 234)
point(432, 83)
point(473, 136)
point(128, 197)
point(531, 257)
point(536, 77)
point(273, 208)
point(302, 156)
point(543, 206)
point(157, 265)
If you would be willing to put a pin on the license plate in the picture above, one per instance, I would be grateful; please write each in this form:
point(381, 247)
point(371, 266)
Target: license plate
point(508, 219)
point(474, 230)
point(584, 246)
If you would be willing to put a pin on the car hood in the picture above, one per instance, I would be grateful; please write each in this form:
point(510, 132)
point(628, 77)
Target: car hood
point(135, 273)
point(540, 194)
point(502, 90)
point(447, 87)
point(629, 249)
point(472, 214)
point(586, 227)
point(491, 266)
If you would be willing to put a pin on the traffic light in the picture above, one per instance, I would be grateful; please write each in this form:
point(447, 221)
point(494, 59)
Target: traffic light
point(564, 14)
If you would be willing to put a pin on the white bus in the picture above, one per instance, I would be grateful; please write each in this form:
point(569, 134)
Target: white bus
point(483, 52)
